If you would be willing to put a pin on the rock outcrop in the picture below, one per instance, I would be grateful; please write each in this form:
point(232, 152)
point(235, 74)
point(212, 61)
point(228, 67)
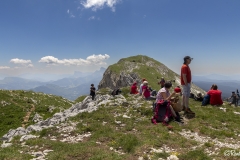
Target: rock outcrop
point(88, 105)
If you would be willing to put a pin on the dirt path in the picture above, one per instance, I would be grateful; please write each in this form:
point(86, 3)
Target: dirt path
point(26, 118)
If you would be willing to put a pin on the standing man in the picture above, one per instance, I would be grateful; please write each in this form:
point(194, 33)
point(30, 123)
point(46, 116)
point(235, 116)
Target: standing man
point(186, 79)
point(92, 91)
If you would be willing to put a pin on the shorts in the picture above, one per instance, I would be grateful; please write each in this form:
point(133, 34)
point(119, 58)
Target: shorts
point(186, 90)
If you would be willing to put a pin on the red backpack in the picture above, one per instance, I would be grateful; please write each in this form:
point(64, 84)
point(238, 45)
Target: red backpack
point(161, 112)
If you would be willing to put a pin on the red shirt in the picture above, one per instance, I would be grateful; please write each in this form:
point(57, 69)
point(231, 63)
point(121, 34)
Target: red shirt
point(215, 97)
point(186, 70)
point(146, 92)
point(134, 89)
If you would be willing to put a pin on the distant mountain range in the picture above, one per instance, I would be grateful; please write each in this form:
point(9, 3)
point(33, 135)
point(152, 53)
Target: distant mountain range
point(217, 77)
point(70, 87)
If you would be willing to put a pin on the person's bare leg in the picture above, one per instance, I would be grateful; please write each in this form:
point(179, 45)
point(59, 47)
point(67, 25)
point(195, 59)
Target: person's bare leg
point(184, 102)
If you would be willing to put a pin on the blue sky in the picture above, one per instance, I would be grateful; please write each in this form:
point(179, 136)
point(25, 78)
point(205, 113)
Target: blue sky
point(60, 37)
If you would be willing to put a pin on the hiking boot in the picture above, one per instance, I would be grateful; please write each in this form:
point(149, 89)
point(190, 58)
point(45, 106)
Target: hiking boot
point(188, 111)
point(189, 114)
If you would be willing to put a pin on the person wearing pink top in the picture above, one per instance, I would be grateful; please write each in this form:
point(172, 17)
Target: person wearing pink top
point(146, 93)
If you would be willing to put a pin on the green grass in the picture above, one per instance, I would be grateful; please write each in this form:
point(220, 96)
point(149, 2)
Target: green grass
point(80, 99)
point(135, 136)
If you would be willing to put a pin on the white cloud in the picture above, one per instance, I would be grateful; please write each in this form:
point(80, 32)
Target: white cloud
point(99, 4)
point(4, 67)
point(20, 61)
point(30, 65)
point(70, 14)
point(90, 60)
point(91, 18)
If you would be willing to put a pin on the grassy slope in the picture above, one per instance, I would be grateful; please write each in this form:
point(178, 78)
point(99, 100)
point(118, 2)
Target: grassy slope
point(137, 136)
point(14, 105)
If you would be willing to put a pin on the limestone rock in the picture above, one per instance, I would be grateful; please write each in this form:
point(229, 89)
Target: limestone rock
point(37, 118)
point(26, 137)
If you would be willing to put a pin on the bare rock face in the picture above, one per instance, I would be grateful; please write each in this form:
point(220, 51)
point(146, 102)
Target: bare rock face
point(113, 80)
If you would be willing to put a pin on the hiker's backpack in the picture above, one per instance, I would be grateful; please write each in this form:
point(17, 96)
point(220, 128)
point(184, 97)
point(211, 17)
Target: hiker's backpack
point(162, 111)
point(206, 100)
point(116, 92)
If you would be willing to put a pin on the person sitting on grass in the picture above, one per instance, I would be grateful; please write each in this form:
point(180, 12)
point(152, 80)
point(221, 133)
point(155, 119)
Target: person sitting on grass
point(215, 95)
point(134, 89)
point(164, 94)
point(234, 98)
point(140, 88)
point(146, 93)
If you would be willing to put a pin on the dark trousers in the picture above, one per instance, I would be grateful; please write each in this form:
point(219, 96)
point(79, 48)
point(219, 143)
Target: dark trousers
point(93, 96)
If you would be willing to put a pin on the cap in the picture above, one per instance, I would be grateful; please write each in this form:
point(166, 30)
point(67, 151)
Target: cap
point(143, 79)
point(187, 57)
point(177, 90)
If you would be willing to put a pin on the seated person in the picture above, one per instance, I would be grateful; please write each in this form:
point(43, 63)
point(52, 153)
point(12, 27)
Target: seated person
point(146, 93)
point(206, 98)
point(134, 89)
point(140, 88)
point(164, 94)
point(215, 95)
point(234, 98)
